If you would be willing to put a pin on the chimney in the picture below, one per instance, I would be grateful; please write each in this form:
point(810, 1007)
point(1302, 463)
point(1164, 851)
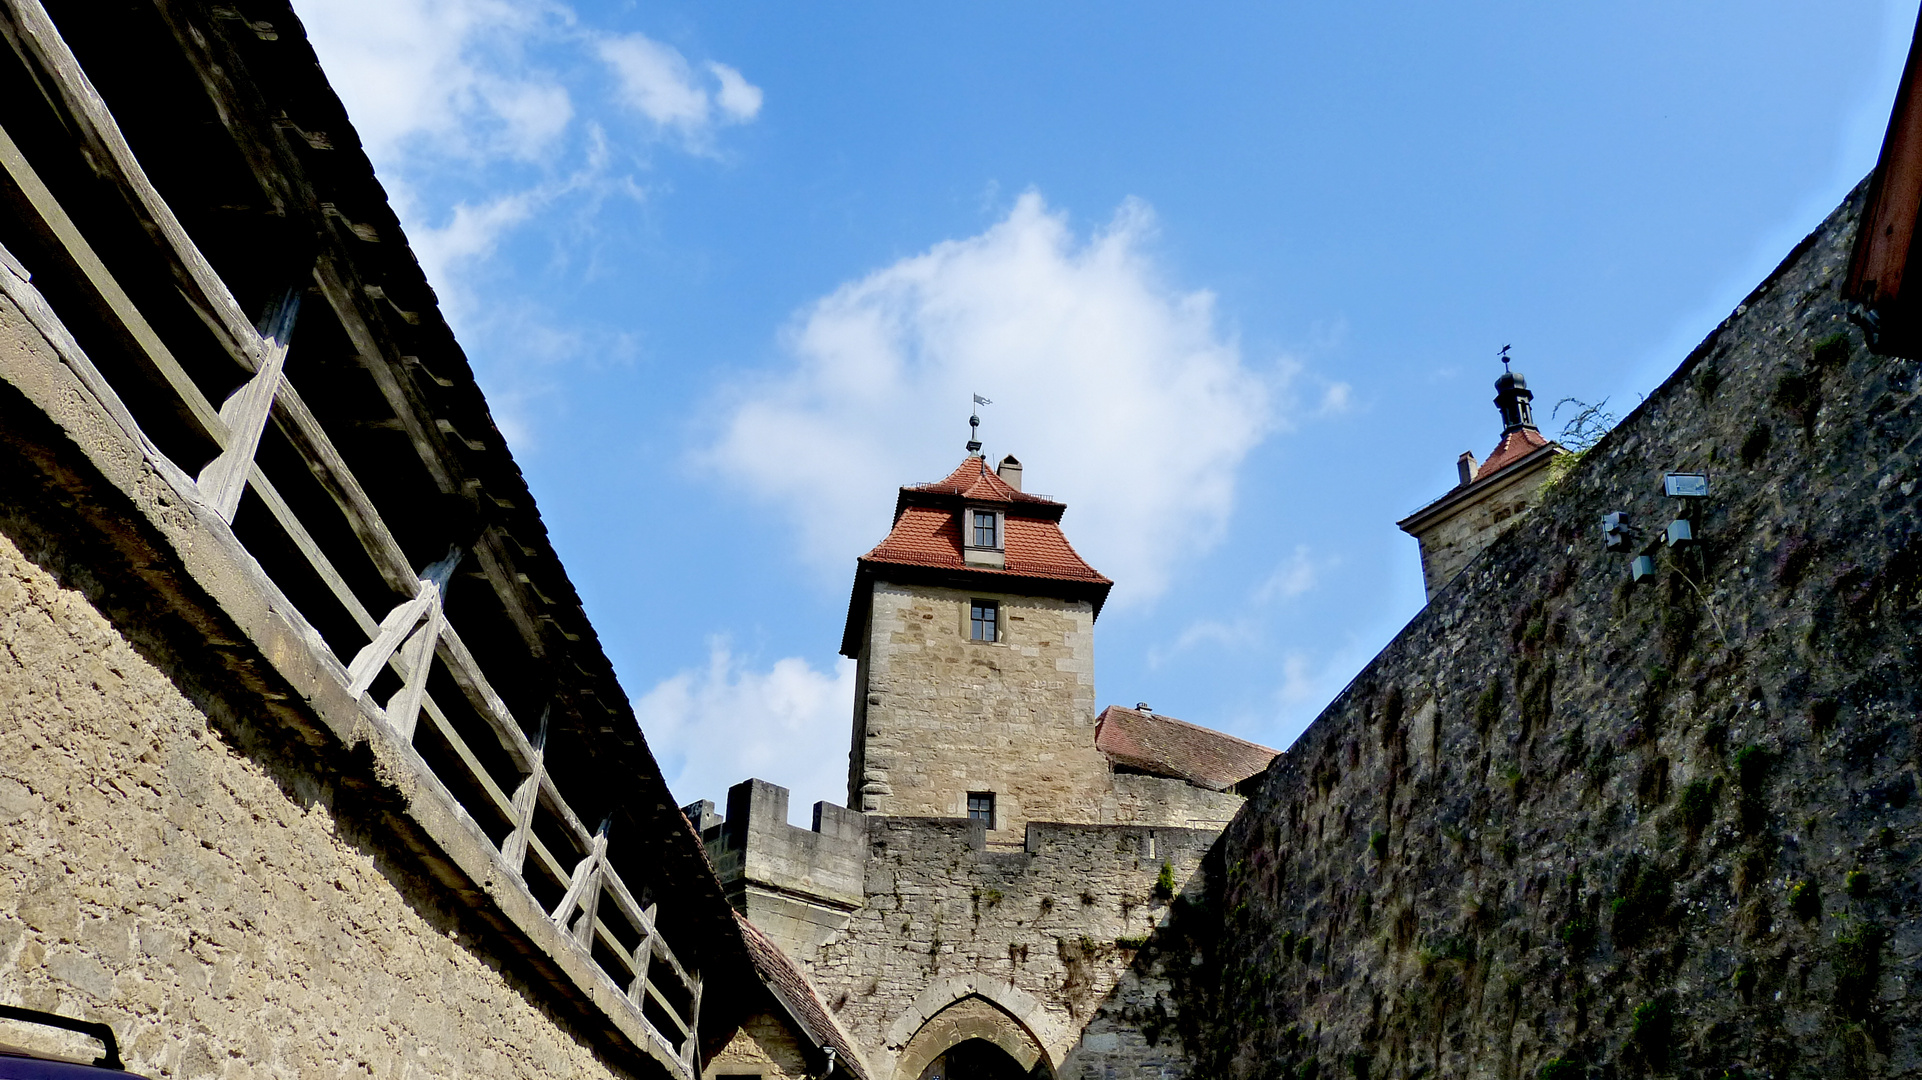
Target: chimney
point(1010, 472)
point(1466, 466)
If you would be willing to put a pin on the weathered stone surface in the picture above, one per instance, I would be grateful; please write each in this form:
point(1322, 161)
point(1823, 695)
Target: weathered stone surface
point(1663, 828)
point(213, 908)
point(1045, 934)
point(938, 715)
point(765, 1046)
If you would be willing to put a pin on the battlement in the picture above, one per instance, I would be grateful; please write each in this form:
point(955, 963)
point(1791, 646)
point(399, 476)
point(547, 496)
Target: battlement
point(797, 885)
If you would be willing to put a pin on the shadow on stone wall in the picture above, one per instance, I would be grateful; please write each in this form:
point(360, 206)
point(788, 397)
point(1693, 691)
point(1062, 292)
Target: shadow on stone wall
point(1571, 825)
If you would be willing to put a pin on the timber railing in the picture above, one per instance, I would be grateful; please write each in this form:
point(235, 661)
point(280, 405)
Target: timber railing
point(409, 662)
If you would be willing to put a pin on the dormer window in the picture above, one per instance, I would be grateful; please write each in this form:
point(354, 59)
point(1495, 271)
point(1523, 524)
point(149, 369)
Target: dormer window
point(982, 542)
point(987, 531)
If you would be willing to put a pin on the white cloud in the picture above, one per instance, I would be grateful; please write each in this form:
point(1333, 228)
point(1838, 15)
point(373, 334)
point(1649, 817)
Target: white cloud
point(1121, 395)
point(658, 82)
point(713, 727)
point(738, 97)
point(1296, 575)
point(447, 73)
point(471, 233)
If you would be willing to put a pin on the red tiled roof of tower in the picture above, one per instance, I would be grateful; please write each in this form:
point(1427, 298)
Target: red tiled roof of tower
point(1164, 746)
point(924, 546)
point(927, 536)
point(1515, 445)
point(792, 989)
point(974, 480)
point(930, 536)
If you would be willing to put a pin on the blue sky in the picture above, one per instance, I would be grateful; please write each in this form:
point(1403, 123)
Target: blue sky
point(1233, 274)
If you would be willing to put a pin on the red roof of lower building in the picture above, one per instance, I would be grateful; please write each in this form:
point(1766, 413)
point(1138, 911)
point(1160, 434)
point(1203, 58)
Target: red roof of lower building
point(1164, 746)
point(796, 995)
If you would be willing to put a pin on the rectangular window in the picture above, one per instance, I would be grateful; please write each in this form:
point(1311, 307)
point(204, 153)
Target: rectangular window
point(983, 619)
point(985, 534)
point(981, 807)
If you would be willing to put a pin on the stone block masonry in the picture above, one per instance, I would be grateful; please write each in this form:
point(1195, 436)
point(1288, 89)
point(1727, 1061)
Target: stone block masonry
point(1045, 934)
point(939, 715)
point(1573, 825)
point(213, 906)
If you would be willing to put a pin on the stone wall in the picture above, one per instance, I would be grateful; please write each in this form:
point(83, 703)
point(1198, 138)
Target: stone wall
point(208, 901)
point(938, 715)
point(1046, 933)
point(1159, 800)
point(1569, 825)
point(1449, 543)
point(764, 1047)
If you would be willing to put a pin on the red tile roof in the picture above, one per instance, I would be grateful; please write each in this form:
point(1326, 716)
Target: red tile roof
point(1164, 746)
point(928, 536)
point(1515, 445)
point(924, 547)
point(796, 995)
point(974, 481)
point(927, 532)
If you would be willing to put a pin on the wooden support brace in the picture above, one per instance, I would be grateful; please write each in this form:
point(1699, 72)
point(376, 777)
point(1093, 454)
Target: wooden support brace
point(403, 709)
point(691, 1049)
point(526, 797)
point(586, 879)
point(643, 953)
point(394, 629)
point(245, 414)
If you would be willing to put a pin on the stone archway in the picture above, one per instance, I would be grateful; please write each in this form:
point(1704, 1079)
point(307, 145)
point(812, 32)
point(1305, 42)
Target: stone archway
point(971, 1018)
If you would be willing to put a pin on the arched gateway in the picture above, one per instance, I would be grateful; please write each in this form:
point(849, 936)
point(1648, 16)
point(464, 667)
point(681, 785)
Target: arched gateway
point(973, 1039)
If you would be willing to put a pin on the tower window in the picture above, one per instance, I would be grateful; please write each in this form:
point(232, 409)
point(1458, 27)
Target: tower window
point(986, 535)
point(981, 807)
point(984, 618)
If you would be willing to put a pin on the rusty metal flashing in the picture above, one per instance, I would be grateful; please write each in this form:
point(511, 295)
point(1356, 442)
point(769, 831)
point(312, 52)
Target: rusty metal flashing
point(1885, 241)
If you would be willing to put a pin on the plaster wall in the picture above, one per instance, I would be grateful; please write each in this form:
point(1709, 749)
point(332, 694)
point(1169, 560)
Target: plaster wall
point(207, 900)
point(764, 1047)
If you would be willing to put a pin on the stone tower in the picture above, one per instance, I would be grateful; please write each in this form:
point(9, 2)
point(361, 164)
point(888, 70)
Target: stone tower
point(972, 625)
point(1455, 528)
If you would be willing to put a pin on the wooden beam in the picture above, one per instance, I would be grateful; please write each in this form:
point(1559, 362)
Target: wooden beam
point(35, 38)
point(148, 349)
point(403, 709)
point(245, 414)
point(514, 850)
point(394, 629)
point(303, 429)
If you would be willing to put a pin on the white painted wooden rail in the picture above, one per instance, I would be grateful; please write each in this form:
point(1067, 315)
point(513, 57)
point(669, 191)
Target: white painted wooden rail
point(410, 639)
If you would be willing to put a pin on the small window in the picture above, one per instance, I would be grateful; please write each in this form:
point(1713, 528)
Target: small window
point(984, 619)
point(981, 807)
point(985, 533)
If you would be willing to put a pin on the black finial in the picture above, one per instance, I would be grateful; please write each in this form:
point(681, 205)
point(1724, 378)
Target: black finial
point(1512, 398)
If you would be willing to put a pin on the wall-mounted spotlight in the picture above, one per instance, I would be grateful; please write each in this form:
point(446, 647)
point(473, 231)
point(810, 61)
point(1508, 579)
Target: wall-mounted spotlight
point(1685, 485)
point(1615, 531)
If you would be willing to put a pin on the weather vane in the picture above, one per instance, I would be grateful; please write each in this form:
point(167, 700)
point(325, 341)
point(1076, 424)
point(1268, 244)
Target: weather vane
point(1504, 356)
point(974, 425)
